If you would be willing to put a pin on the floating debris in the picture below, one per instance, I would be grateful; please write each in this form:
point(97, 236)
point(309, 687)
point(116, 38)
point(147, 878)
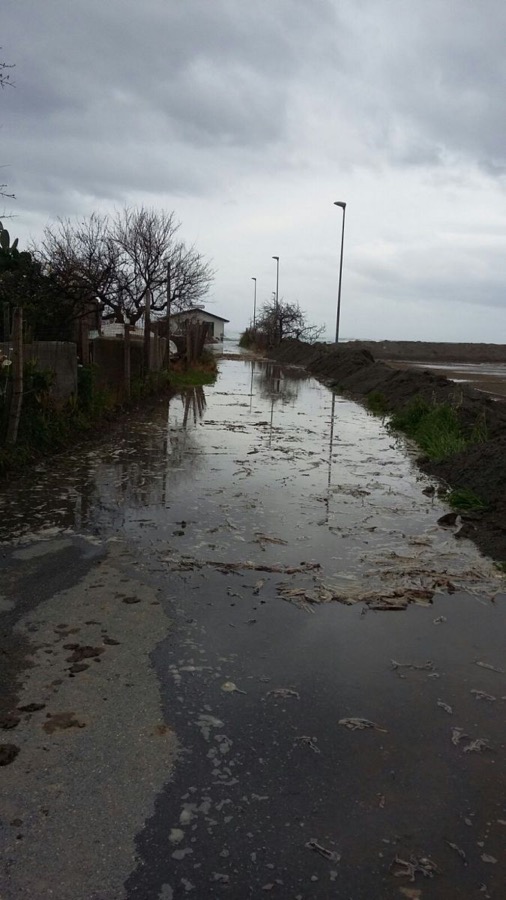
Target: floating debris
point(488, 859)
point(446, 707)
point(309, 742)
point(457, 735)
point(477, 746)
point(427, 666)
point(187, 564)
point(268, 539)
point(231, 688)
point(490, 667)
point(358, 724)
point(283, 693)
point(409, 868)
point(482, 695)
point(458, 850)
point(331, 855)
point(440, 620)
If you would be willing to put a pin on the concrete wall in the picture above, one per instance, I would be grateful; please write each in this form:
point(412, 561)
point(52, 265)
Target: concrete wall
point(59, 357)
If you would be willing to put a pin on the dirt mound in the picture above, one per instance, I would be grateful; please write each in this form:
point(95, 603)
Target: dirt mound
point(352, 369)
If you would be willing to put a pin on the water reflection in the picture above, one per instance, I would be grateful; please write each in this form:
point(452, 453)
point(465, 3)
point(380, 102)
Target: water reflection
point(275, 385)
point(134, 468)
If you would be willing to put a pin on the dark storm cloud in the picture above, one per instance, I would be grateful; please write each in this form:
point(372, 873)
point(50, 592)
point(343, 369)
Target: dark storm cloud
point(437, 74)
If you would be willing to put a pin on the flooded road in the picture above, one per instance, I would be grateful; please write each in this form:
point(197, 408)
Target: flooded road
point(260, 664)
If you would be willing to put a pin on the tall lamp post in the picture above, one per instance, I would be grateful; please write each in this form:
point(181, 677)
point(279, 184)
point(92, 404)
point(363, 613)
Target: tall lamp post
point(254, 301)
point(277, 299)
point(343, 207)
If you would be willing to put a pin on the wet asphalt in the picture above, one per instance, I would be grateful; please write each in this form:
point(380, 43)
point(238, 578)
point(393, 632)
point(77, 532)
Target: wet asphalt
point(274, 791)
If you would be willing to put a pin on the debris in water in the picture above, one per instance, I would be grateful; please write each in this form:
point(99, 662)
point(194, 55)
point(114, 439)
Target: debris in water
point(457, 735)
point(309, 742)
point(440, 620)
point(283, 693)
point(8, 753)
point(446, 707)
point(424, 667)
point(448, 519)
point(409, 868)
point(492, 668)
point(488, 859)
point(268, 539)
point(188, 564)
point(458, 850)
point(331, 855)
point(358, 724)
point(482, 695)
point(231, 688)
point(477, 746)
point(258, 586)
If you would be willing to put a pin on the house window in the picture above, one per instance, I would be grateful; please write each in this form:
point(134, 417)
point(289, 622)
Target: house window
point(210, 331)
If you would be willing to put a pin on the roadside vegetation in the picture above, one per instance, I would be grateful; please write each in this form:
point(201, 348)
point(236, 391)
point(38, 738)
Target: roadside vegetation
point(464, 500)
point(46, 427)
point(205, 371)
point(435, 427)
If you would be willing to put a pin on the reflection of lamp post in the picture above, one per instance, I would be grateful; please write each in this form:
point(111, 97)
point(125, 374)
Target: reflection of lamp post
point(277, 299)
point(343, 207)
point(254, 302)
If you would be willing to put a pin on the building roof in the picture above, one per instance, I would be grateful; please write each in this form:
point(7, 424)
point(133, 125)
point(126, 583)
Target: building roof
point(198, 309)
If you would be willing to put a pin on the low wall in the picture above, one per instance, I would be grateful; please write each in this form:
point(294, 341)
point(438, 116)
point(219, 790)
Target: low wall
point(59, 357)
point(108, 355)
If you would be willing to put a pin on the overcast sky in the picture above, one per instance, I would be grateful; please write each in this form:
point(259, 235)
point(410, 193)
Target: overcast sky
point(248, 119)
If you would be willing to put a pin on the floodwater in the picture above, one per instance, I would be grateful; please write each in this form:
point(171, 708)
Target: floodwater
point(490, 378)
point(334, 668)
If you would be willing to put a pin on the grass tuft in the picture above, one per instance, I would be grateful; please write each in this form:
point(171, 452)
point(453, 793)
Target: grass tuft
point(377, 403)
point(436, 428)
point(465, 500)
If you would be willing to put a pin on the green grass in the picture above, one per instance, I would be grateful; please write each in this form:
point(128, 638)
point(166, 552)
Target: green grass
point(377, 403)
point(436, 428)
point(465, 500)
point(191, 378)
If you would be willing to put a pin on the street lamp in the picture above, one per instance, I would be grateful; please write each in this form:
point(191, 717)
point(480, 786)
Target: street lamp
point(277, 299)
point(343, 207)
point(254, 302)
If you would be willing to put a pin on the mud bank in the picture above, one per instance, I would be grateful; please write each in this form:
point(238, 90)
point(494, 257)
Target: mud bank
point(480, 468)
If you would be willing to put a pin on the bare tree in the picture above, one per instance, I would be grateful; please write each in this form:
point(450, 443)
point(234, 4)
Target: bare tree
point(285, 320)
point(124, 260)
point(5, 80)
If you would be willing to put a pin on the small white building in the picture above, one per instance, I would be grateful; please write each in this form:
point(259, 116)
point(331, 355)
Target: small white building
point(216, 324)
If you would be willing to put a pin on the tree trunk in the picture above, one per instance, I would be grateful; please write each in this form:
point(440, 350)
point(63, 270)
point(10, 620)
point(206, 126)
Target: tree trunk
point(147, 336)
point(127, 361)
point(17, 376)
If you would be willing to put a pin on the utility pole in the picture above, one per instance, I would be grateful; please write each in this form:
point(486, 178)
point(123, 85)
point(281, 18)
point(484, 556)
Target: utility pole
point(168, 314)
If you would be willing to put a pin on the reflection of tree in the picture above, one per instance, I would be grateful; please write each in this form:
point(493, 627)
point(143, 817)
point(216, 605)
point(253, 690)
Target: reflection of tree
point(194, 400)
point(274, 383)
point(181, 423)
point(134, 468)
